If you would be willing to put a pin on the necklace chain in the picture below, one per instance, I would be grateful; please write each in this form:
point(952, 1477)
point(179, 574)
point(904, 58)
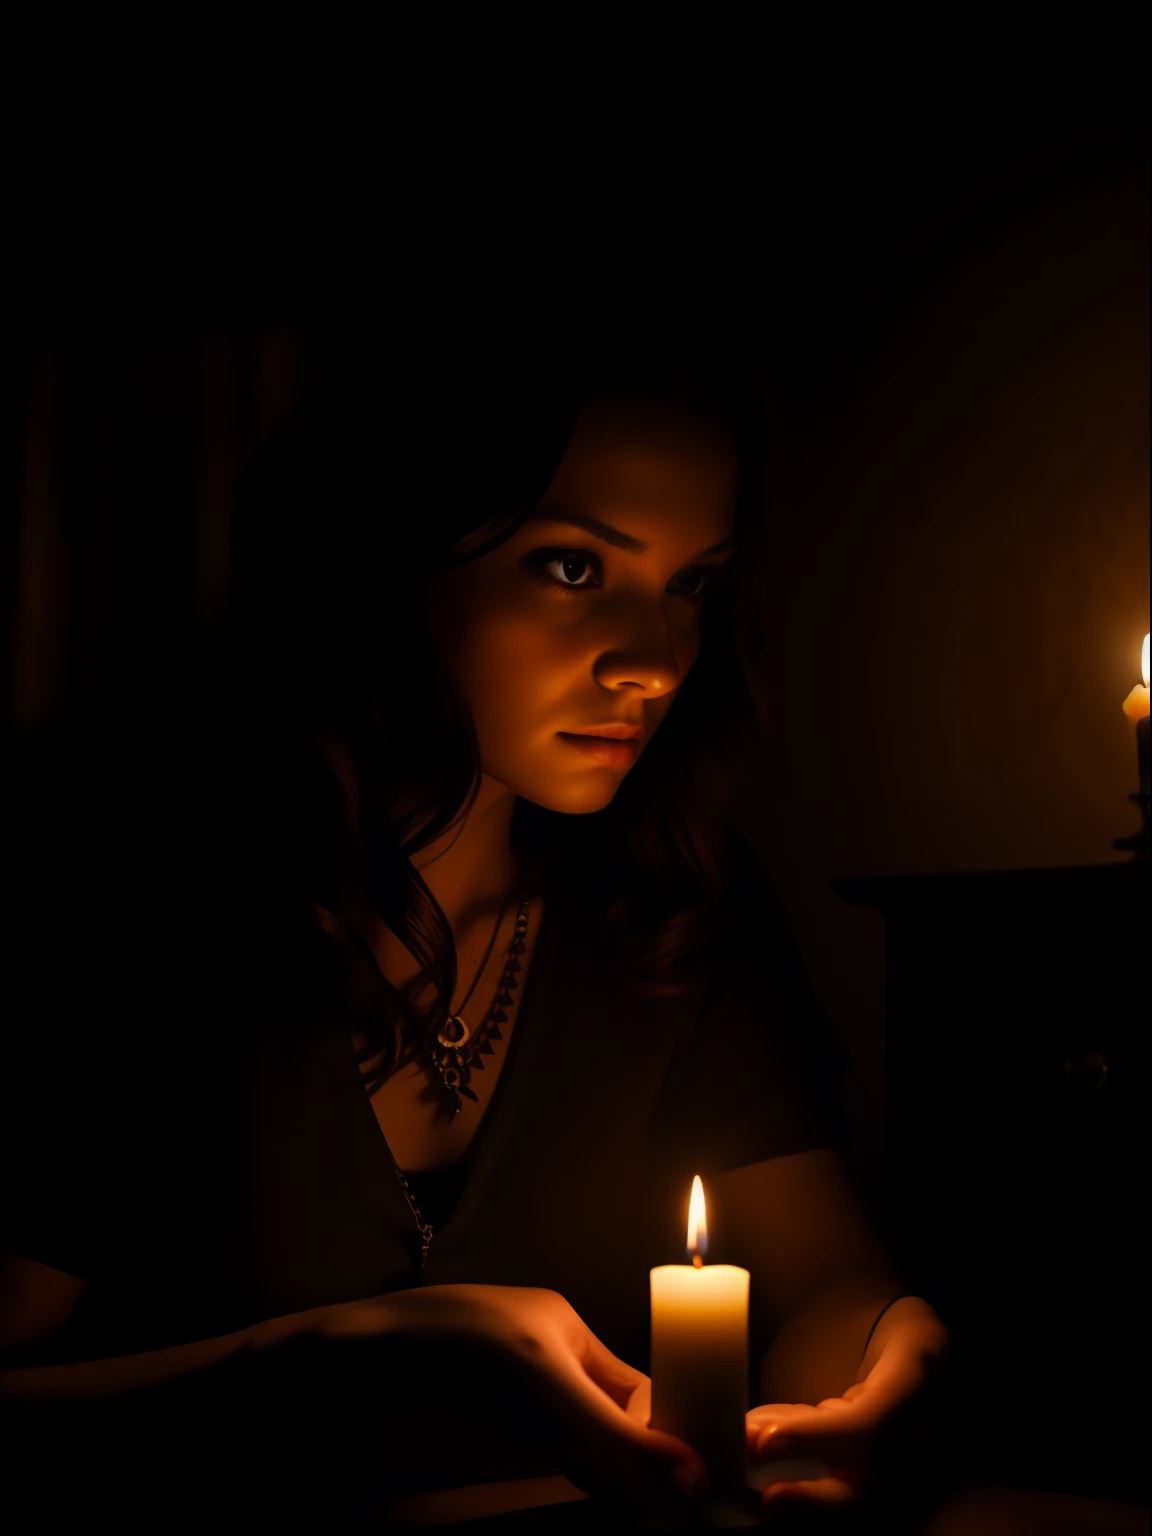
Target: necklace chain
point(426, 1233)
point(461, 1051)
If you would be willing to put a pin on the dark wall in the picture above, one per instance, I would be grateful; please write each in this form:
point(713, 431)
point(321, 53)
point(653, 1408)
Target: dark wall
point(956, 346)
point(960, 580)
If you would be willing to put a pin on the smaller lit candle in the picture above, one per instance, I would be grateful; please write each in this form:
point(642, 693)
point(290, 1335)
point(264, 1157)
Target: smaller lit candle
point(1136, 708)
point(700, 1354)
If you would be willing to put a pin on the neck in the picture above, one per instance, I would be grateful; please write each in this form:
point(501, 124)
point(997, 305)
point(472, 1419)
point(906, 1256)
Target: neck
point(470, 869)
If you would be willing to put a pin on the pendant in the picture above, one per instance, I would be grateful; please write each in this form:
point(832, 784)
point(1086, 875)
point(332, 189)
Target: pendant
point(455, 1033)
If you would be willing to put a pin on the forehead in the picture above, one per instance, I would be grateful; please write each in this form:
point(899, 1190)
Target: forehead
point(648, 453)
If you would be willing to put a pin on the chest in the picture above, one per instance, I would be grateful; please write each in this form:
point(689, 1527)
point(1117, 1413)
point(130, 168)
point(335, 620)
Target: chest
point(410, 1107)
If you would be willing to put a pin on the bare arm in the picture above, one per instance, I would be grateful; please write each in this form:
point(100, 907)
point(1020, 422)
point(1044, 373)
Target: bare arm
point(34, 1395)
point(181, 1430)
point(820, 1272)
point(473, 1383)
point(180, 1424)
point(35, 1302)
point(834, 1417)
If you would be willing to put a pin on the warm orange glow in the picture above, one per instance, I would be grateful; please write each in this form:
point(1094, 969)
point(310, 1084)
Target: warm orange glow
point(697, 1220)
point(1136, 704)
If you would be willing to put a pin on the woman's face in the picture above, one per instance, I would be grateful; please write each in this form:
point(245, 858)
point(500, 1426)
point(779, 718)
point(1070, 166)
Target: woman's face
point(561, 629)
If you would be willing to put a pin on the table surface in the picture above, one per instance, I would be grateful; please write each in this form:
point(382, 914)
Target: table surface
point(972, 1511)
point(558, 1504)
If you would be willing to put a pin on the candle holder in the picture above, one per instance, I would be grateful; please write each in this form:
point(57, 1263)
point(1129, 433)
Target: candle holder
point(1138, 844)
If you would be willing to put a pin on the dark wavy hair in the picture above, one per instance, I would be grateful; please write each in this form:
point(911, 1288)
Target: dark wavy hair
point(348, 748)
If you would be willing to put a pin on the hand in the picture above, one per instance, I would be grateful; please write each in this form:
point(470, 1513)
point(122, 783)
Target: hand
point(521, 1364)
point(843, 1432)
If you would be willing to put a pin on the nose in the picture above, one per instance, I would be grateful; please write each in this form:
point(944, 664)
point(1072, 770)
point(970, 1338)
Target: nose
point(655, 670)
point(645, 645)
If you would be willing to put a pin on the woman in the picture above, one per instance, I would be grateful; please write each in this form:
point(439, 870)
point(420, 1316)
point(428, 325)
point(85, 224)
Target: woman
point(379, 1014)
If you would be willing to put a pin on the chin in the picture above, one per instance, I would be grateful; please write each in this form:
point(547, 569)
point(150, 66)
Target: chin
point(585, 801)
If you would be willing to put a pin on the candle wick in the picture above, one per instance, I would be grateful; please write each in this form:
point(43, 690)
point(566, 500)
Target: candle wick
point(697, 1261)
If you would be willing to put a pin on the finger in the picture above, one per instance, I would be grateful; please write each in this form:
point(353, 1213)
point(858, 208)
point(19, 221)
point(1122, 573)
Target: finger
point(609, 1450)
point(631, 1391)
point(772, 1419)
point(833, 1431)
point(799, 1469)
point(611, 1374)
point(605, 1419)
point(829, 1491)
point(831, 1445)
point(804, 1418)
point(639, 1405)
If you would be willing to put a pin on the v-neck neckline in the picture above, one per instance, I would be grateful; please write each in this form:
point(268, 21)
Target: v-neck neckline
point(479, 1151)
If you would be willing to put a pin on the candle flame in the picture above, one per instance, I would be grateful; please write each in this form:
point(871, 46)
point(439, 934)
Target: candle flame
point(1144, 661)
point(697, 1223)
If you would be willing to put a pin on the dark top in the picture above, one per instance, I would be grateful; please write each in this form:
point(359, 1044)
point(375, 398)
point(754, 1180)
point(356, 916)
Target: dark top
point(190, 1133)
point(437, 1191)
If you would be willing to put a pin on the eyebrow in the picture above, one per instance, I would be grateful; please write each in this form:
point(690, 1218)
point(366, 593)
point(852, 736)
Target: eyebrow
point(573, 517)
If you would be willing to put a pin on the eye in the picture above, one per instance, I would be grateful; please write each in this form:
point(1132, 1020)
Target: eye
point(566, 563)
point(571, 567)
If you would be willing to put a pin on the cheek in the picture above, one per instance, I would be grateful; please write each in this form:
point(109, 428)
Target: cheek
point(470, 608)
point(460, 625)
point(688, 648)
point(504, 665)
point(517, 660)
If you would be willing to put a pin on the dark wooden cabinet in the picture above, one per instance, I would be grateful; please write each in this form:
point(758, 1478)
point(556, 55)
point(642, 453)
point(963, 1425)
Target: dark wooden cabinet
point(1016, 1083)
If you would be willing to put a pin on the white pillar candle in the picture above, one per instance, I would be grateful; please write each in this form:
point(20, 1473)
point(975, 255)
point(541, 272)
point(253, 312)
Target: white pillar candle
point(1136, 708)
point(700, 1354)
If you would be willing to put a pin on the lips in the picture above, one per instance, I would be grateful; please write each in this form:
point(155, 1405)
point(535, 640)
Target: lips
point(602, 749)
point(616, 731)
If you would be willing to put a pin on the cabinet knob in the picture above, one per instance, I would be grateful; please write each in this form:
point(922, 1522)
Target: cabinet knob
point(1090, 1072)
